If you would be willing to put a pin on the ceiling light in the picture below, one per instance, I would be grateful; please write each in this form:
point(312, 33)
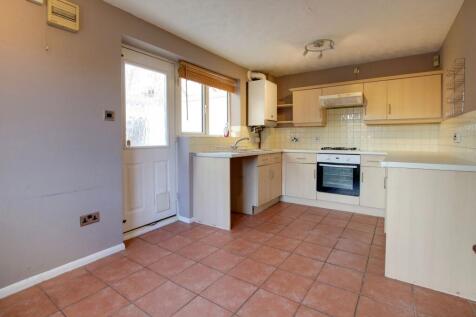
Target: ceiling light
point(319, 46)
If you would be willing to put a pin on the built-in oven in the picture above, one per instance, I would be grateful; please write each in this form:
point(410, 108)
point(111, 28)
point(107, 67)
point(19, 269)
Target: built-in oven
point(338, 174)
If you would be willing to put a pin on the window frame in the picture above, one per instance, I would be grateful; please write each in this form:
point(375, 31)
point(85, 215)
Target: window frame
point(205, 112)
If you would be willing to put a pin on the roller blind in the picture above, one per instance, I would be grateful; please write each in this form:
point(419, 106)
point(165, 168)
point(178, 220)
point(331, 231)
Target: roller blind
point(206, 77)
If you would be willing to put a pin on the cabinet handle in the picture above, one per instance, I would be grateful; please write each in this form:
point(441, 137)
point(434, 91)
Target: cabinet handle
point(315, 176)
point(362, 177)
point(385, 182)
point(389, 108)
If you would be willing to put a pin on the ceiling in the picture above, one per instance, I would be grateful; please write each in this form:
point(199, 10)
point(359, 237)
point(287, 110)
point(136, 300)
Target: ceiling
point(269, 35)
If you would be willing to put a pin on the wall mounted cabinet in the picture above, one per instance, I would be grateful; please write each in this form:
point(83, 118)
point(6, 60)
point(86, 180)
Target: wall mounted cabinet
point(307, 110)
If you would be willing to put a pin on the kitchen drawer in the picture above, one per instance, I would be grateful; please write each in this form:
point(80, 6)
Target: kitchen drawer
point(371, 160)
point(266, 159)
point(309, 158)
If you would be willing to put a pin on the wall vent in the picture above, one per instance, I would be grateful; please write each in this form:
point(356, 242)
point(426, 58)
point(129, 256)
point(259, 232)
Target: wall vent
point(63, 14)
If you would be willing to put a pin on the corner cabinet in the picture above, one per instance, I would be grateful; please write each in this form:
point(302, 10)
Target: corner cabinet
point(307, 109)
point(262, 103)
point(406, 100)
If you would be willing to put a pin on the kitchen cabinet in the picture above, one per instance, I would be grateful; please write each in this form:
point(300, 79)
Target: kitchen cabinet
point(375, 100)
point(300, 175)
point(262, 103)
point(269, 179)
point(342, 89)
point(372, 182)
point(307, 110)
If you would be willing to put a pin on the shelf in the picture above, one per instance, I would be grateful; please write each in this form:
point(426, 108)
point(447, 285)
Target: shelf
point(286, 105)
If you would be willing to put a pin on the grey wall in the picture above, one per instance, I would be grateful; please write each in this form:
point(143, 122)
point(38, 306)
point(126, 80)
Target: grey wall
point(396, 66)
point(461, 42)
point(59, 159)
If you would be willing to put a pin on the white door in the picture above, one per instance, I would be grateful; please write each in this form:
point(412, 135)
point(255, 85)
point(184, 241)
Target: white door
point(149, 139)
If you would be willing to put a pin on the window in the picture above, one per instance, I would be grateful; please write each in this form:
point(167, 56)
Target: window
point(204, 109)
point(145, 106)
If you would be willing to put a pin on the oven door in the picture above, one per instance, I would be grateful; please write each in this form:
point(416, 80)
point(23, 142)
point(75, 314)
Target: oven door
point(342, 179)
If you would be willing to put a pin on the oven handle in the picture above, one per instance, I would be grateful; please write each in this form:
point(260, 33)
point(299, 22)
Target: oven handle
point(339, 166)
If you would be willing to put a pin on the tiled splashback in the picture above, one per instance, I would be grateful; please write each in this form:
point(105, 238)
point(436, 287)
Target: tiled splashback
point(345, 127)
point(465, 127)
point(210, 143)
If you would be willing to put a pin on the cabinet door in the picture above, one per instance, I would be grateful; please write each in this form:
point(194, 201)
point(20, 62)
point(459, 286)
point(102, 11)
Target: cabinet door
point(271, 101)
point(275, 184)
point(415, 98)
point(375, 95)
point(342, 89)
point(263, 184)
point(306, 107)
point(300, 180)
point(372, 187)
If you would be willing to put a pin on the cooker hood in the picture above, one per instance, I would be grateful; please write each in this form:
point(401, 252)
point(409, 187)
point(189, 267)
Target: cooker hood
point(351, 99)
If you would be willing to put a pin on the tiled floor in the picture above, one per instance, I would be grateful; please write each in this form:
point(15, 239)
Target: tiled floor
point(290, 260)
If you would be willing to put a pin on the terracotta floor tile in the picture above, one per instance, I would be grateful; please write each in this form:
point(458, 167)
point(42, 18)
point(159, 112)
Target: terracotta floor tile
point(143, 252)
point(178, 227)
point(217, 239)
point(292, 233)
point(283, 243)
point(314, 251)
point(353, 246)
point(360, 236)
point(334, 222)
point(100, 304)
point(311, 218)
point(379, 239)
point(197, 277)
point(361, 227)
point(304, 311)
point(116, 270)
point(171, 265)
point(252, 272)
point(293, 211)
point(129, 311)
point(348, 260)
point(270, 227)
point(377, 252)
point(327, 230)
point(304, 225)
point(388, 291)
point(281, 220)
point(289, 285)
point(57, 314)
point(175, 243)
point(197, 233)
point(301, 265)
point(437, 304)
point(256, 236)
point(157, 236)
point(264, 303)
point(31, 302)
point(199, 306)
point(269, 255)
point(241, 247)
point(197, 251)
point(222, 260)
point(165, 300)
point(138, 284)
point(70, 287)
point(317, 211)
point(321, 239)
point(376, 266)
point(330, 300)
point(348, 279)
point(344, 215)
point(104, 261)
point(229, 292)
point(368, 307)
point(372, 220)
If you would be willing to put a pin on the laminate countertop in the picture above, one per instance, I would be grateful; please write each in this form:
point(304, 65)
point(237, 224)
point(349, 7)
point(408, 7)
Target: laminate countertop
point(428, 160)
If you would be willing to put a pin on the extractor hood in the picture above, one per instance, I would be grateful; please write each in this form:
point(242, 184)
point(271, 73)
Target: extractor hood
point(351, 99)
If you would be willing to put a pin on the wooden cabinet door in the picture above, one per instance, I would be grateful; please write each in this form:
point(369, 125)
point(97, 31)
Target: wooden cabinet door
point(342, 89)
point(307, 108)
point(271, 101)
point(300, 180)
point(375, 96)
point(263, 184)
point(275, 184)
point(414, 98)
point(372, 187)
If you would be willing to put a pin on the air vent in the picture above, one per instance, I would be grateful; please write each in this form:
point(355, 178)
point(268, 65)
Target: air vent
point(63, 14)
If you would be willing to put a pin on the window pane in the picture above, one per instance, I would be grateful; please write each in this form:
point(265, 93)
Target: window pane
point(217, 111)
point(192, 106)
point(146, 107)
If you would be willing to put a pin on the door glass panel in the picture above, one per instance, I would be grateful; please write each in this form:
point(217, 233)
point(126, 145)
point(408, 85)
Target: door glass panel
point(146, 107)
point(217, 111)
point(335, 177)
point(192, 106)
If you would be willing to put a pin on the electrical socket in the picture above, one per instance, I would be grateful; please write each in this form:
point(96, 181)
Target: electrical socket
point(89, 219)
point(457, 138)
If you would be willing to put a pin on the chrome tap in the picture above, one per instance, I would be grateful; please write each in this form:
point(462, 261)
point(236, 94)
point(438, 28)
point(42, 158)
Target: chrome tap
point(234, 147)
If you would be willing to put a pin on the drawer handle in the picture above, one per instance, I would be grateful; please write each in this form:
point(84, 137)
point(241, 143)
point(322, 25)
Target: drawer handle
point(300, 158)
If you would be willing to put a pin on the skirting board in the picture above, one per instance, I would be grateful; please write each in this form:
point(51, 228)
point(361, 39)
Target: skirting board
point(36, 279)
point(140, 231)
point(336, 206)
point(185, 219)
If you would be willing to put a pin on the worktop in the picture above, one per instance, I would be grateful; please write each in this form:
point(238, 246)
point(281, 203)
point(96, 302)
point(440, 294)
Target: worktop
point(252, 152)
point(428, 160)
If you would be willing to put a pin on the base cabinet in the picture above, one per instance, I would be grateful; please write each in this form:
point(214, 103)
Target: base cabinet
point(269, 180)
point(372, 187)
point(300, 180)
